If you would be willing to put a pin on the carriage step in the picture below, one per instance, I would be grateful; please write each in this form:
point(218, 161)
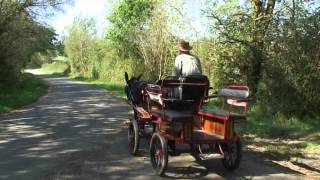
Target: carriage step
point(211, 156)
point(143, 113)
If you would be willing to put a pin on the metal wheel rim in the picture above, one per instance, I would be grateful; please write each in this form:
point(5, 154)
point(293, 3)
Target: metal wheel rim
point(157, 154)
point(231, 155)
point(131, 137)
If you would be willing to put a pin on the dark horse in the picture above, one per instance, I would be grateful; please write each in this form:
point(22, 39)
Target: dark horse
point(134, 89)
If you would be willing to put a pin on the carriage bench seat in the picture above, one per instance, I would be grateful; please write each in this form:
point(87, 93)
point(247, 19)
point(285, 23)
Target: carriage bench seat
point(233, 98)
point(173, 115)
point(222, 114)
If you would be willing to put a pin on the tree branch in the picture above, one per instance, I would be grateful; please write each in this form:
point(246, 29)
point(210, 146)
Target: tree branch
point(226, 34)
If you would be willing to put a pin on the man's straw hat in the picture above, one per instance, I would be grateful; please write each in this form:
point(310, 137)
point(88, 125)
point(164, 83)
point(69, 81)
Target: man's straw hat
point(184, 46)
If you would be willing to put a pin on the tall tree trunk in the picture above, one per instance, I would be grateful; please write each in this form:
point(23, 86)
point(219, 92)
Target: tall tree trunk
point(256, 72)
point(262, 16)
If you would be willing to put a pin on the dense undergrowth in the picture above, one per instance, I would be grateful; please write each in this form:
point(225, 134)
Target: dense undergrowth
point(26, 91)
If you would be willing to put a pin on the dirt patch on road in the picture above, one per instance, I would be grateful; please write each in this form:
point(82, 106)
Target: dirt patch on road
point(286, 153)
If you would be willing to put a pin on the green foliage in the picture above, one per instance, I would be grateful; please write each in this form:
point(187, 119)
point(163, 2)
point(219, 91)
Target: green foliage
point(28, 90)
point(21, 36)
point(292, 74)
point(116, 88)
point(263, 124)
point(79, 46)
point(126, 19)
point(55, 68)
point(285, 62)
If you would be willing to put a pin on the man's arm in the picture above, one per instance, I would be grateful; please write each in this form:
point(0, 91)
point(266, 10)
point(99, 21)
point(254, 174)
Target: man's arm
point(177, 67)
point(199, 64)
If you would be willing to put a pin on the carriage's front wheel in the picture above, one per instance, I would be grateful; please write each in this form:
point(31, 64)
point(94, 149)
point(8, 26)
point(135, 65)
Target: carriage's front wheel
point(158, 153)
point(232, 155)
point(133, 137)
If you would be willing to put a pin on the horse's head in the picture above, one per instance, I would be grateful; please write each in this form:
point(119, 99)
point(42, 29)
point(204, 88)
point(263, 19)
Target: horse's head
point(132, 79)
point(131, 86)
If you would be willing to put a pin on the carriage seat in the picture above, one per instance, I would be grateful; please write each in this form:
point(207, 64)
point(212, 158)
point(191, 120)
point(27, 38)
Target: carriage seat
point(173, 115)
point(233, 97)
point(222, 114)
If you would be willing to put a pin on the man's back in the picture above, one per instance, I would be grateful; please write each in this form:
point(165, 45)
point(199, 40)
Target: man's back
point(187, 64)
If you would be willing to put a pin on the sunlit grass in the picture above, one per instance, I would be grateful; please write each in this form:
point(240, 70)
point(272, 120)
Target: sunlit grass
point(312, 147)
point(27, 91)
point(55, 68)
point(116, 88)
point(264, 124)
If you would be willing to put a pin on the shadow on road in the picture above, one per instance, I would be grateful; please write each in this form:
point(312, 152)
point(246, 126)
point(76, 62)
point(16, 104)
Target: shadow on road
point(73, 117)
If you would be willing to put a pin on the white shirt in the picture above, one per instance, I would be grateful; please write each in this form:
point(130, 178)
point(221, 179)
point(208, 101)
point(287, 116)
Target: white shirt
point(187, 64)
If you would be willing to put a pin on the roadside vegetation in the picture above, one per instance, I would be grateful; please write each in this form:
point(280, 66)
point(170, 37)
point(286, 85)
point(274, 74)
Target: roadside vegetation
point(116, 88)
point(24, 41)
point(28, 90)
point(59, 68)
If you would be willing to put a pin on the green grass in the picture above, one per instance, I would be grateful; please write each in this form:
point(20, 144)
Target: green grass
point(26, 92)
point(264, 124)
point(116, 88)
point(55, 68)
point(312, 147)
point(60, 59)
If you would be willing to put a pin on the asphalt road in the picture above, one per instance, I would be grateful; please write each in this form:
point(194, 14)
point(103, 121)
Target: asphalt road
point(77, 131)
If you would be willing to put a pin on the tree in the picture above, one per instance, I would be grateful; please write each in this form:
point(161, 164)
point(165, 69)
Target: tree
point(238, 26)
point(262, 13)
point(79, 44)
point(155, 43)
point(21, 35)
point(127, 19)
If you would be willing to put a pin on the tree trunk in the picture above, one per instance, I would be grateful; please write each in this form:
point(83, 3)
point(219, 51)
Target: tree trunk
point(256, 72)
point(262, 16)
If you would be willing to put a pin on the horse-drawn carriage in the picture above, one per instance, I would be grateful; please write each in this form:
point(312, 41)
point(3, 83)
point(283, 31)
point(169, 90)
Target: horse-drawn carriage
point(175, 108)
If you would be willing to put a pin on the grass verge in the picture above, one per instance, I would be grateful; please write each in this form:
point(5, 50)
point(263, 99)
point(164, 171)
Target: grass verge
point(116, 88)
point(26, 92)
point(286, 137)
point(60, 68)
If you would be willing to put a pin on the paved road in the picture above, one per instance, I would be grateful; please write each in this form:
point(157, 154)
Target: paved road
point(77, 132)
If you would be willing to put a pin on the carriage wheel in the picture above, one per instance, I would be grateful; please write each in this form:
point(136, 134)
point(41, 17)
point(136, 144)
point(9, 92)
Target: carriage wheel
point(133, 137)
point(158, 154)
point(195, 153)
point(232, 155)
point(205, 148)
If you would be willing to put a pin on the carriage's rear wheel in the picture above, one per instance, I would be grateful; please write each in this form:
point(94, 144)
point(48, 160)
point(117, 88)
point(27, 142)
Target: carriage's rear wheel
point(158, 154)
point(133, 137)
point(197, 149)
point(195, 153)
point(232, 155)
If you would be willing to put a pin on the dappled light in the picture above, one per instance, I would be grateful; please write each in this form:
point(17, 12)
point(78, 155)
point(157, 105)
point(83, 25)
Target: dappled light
point(64, 122)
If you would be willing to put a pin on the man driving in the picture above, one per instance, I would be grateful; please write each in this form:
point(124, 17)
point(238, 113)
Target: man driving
point(186, 63)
